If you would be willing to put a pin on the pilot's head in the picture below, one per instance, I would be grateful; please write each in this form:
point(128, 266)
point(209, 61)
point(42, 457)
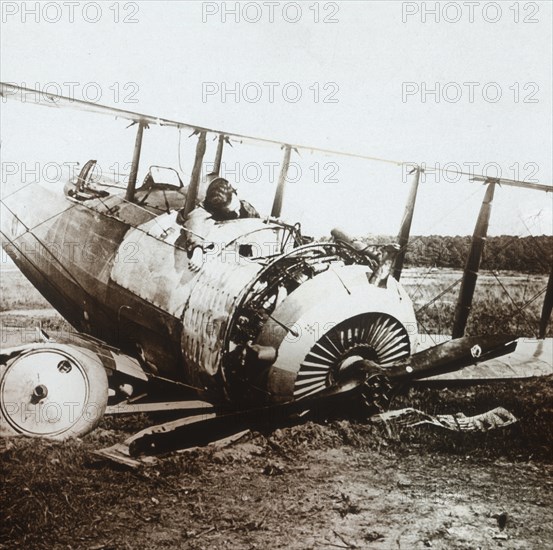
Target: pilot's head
point(221, 200)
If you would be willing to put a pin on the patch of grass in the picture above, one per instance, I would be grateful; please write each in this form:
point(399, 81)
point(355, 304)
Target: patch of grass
point(18, 330)
point(509, 303)
point(17, 293)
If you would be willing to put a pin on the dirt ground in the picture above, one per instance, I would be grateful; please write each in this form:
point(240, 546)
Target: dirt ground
point(334, 485)
point(345, 499)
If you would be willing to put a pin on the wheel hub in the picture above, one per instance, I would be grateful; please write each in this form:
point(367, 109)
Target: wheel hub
point(43, 393)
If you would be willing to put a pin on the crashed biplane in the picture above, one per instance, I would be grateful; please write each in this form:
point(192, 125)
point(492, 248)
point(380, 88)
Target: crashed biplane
point(301, 326)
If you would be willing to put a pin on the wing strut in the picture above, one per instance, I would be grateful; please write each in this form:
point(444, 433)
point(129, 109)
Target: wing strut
point(279, 195)
point(131, 187)
point(403, 238)
point(470, 275)
point(547, 306)
point(194, 186)
point(219, 154)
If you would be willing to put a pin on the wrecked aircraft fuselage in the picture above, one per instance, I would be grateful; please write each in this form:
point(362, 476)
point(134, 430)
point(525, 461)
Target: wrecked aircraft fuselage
point(268, 318)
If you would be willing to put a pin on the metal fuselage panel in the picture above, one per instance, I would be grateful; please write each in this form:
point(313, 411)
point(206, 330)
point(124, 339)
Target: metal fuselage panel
point(118, 276)
point(68, 250)
point(159, 274)
point(207, 315)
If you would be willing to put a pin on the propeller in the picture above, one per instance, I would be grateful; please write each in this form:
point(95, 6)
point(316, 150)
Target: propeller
point(376, 382)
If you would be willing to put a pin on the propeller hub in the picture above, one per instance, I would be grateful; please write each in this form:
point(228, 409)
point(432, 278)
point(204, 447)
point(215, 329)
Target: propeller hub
point(40, 392)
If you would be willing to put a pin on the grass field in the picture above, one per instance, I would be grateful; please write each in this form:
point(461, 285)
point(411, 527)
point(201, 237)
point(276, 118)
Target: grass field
point(334, 484)
point(507, 301)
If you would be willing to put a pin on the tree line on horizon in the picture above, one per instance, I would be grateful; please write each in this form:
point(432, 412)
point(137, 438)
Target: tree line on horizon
point(531, 254)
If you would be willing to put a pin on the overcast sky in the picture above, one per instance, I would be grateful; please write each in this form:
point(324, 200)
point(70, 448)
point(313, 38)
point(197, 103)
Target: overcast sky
point(365, 72)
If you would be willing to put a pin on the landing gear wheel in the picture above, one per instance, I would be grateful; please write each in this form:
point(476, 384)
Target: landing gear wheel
point(53, 393)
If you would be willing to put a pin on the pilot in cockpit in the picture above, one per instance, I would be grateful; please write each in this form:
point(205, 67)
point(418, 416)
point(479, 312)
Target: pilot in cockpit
point(221, 204)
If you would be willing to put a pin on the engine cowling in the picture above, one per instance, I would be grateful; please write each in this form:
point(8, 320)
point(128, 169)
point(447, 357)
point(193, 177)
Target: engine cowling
point(317, 310)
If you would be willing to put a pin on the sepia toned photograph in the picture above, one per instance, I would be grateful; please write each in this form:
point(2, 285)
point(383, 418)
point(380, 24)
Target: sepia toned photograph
point(276, 274)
